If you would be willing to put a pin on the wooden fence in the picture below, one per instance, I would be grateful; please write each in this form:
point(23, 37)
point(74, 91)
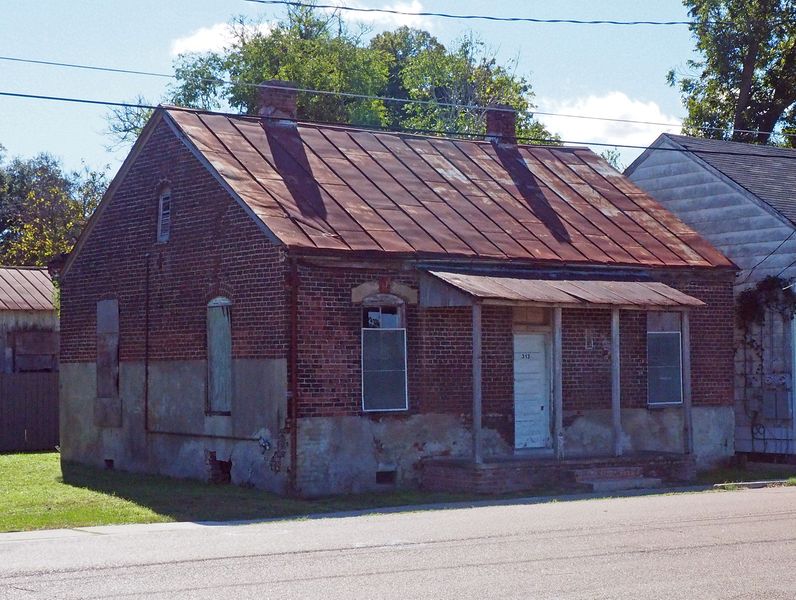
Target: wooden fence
point(28, 411)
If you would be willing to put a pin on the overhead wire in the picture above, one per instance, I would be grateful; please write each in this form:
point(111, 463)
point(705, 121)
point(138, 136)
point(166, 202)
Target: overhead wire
point(531, 113)
point(427, 132)
point(464, 17)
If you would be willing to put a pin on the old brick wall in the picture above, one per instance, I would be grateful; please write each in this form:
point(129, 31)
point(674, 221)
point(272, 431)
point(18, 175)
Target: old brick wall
point(712, 328)
point(439, 350)
point(214, 249)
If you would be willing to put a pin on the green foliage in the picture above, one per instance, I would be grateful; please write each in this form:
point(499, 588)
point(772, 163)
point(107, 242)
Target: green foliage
point(771, 293)
point(43, 209)
point(746, 78)
point(613, 158)
point(317, 51)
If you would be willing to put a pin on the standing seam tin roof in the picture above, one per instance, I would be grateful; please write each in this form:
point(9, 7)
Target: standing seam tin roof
point(25, 288)
point(346, 189)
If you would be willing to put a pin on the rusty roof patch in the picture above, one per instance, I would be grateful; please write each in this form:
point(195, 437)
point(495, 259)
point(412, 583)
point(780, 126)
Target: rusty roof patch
point(337, 188)
point(25, 288)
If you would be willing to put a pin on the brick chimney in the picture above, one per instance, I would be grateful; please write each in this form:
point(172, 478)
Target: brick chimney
point(501, 124)
point(278, 100)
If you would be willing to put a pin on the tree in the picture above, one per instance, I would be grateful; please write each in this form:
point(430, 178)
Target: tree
point(454, 86)
point(43, 209)
point(402, 46)
point(316, 50)
point(744, 87)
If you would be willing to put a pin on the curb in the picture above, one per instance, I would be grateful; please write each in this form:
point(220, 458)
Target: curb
point(751, 485)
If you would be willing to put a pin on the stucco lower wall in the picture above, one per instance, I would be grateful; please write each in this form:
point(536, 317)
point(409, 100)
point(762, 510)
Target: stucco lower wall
point(180, 435)
point(652, 430)
point(343, 454)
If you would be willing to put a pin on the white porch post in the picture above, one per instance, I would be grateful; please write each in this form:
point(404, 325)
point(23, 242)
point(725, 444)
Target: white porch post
point(688, 423)
point(477, 437)
point(616, 392)
point(558, 387)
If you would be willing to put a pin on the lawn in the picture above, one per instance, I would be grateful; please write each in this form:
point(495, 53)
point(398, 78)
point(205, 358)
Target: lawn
point(35, 495)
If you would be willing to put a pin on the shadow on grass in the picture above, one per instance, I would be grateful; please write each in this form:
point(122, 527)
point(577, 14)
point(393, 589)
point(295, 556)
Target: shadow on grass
point(188, 500)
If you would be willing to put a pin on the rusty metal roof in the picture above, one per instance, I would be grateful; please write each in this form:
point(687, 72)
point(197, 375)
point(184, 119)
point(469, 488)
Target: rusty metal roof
point(338, 188)
point(510, 290)
point(25, 288)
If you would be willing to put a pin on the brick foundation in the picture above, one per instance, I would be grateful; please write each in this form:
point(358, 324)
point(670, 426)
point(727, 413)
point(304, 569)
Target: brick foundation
point(517, 475)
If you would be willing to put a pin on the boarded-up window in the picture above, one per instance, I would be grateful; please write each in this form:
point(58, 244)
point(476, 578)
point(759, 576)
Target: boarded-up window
point(383, 359)
point(35, 351)
point(107, 348)
point(164, 215)
point(219, 356)
point(664, 359)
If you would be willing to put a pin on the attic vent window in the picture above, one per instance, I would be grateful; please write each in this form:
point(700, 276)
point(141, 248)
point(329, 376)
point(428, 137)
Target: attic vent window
point(164, 215)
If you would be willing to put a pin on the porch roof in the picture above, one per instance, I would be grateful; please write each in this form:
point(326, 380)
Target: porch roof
point(442, 288)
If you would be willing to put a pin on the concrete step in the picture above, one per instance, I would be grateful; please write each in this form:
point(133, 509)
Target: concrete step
point(625, 483)
point(618, 472)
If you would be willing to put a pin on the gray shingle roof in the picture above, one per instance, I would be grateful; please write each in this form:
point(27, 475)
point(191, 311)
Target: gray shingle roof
point(765, 171)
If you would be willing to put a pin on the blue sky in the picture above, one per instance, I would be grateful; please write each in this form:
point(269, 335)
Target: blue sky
point(594, 70)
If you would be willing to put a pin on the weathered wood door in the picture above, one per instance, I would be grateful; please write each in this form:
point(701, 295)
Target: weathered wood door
point(531, 391)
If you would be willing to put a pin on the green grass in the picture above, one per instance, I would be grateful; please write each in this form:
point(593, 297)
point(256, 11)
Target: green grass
point(35, 495)
point(738, 474)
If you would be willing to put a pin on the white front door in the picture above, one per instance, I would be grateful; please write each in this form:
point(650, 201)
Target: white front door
point(531, 391)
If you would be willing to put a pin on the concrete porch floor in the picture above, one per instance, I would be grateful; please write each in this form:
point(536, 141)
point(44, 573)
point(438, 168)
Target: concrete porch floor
point(516, 473)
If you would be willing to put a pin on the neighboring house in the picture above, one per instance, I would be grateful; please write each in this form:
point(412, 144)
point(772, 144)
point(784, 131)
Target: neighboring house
point(325, 309)
point(741, 198)
point(28, 360)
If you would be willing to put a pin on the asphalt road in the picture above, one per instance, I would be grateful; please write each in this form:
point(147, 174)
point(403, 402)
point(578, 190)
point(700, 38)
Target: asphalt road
point(739, 544)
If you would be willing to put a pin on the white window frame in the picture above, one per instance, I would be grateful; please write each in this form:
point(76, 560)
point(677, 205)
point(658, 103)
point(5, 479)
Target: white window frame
point(399, 306)
point(163, 236)
point(680, 369)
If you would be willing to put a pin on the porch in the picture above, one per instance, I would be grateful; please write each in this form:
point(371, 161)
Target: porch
point(547, 450)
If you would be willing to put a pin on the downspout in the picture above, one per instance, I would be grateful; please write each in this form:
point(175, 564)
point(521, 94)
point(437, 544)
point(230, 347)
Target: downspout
point(146, 345)
point(294, 391)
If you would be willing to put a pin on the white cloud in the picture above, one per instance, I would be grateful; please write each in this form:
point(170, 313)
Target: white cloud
point(614, 105)
point(212, 39)
point(385, 20)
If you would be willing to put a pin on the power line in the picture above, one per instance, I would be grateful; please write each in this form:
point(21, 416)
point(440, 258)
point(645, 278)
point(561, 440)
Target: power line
point(376, 97)
point(427, 132)
point(406, 13)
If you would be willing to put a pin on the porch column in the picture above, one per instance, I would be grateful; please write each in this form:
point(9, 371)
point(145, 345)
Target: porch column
point(558, 386)
point(477, 437)
point(688, 423)
point(616, 391)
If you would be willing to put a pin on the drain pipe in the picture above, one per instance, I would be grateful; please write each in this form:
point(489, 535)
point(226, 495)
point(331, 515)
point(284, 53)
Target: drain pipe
point(294, 392)
point(146, 345)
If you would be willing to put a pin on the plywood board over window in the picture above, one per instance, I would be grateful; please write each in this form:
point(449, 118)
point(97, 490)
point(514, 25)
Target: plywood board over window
point(219, 356)
point(108, 410)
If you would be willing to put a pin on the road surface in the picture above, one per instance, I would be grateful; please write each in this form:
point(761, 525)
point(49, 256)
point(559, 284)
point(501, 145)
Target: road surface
point(739, 544)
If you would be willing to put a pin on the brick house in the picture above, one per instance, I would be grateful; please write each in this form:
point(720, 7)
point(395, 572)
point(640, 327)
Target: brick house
point(322, 309)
